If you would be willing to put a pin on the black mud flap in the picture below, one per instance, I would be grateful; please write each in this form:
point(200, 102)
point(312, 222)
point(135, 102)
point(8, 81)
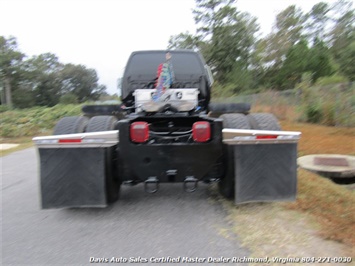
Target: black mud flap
point(265, 172)
point(74, 177)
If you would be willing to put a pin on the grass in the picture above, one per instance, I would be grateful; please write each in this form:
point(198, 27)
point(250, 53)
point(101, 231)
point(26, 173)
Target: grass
point(317, 139)
point(323, 210)
point(19, 126)
point(332, 205)
point(23, 143)
point(33, 121)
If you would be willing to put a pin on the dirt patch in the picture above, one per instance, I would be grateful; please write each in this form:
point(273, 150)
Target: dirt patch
point(270, 230)
point(320, 223)
point(331, 205)
point(318, 139)
point(6, 146)
point(16, 144)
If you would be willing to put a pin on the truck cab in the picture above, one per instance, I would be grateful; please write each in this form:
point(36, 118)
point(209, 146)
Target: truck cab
point(170, 139)
point(189, 67)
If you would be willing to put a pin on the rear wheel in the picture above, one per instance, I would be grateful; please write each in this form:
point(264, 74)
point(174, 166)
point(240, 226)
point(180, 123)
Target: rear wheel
point(263, 121)
point(226, 185)
point(235, 121)
point(113, 182)
point(71, 125)
point(101, 123)
point(228, 108)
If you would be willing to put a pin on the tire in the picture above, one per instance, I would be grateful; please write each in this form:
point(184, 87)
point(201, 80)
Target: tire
point(71, 125)
point(232, 108)
point(101, 123)
point(263, 121)
point(226, 185)
point(235, 121)
point(113, 182)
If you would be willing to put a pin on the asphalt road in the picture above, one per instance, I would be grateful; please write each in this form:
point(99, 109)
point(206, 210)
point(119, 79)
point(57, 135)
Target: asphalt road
point(170, 223)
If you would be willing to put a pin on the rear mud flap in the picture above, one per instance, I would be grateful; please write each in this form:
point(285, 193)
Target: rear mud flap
point(73, 177)
point(266, 172)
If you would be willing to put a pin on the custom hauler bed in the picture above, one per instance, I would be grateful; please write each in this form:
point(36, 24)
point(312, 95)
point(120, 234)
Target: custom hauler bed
point(166, 130)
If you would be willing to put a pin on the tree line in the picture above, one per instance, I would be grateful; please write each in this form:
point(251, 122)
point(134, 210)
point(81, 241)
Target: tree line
point(319, 45)
point(42, 80)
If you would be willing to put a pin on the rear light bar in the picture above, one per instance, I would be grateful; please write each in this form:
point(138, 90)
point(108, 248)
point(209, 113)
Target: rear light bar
point(267, 137)
point(251, 136)
point(69, 140)
point(201, 131)
point(90, 139)
point(139, 132)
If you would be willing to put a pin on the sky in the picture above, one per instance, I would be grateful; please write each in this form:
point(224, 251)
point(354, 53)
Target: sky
point(101, 34)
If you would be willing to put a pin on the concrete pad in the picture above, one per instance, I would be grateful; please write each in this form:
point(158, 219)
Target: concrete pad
point(6, 146)
point(329, 165)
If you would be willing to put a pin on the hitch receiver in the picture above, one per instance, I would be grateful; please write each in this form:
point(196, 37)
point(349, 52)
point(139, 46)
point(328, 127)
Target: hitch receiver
point(190, 184)
point(151, 185)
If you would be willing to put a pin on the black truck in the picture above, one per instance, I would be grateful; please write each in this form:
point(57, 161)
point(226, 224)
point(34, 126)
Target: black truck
point(166, 130)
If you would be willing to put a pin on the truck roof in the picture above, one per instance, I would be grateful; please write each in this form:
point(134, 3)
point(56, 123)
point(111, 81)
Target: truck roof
point(141, 68)
point(185, 62)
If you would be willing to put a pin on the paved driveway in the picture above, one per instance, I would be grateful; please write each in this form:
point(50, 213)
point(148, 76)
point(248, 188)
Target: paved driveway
point(138, 227)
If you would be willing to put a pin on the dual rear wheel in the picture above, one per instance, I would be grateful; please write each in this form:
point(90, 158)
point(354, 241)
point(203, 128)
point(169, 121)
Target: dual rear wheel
point(81, 124)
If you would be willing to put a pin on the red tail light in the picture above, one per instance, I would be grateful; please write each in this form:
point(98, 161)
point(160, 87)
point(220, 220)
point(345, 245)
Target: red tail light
point(267, 137)
point(201, 131)
point(139, 132)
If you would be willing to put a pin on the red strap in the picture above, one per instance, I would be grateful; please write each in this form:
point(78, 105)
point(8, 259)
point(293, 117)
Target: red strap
point(160, 67)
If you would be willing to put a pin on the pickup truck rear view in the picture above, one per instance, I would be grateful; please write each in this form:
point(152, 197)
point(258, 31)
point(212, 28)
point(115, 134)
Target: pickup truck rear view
point(165, 131)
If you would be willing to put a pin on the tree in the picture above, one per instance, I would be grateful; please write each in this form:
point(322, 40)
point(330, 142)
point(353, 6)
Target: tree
point(82, 82)
point(317, 20)
point(225, 36)
point(207, 15)
point(10, 60)
point(229, 35)
point(271, 51)
point(320, 60)
point(287, 31)
point(342, 33)
point(184, 41)
point(347, 59)
point(43, 77)
point(295, 64)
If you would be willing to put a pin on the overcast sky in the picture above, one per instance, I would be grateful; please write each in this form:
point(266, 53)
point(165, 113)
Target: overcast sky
point(101, 34)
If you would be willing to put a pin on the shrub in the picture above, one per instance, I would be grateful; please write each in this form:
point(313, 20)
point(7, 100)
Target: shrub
point(32, 121)
point(4, 108)
point(68, 99)
point(330, 80)
point(313, 113)
point(328, 114)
